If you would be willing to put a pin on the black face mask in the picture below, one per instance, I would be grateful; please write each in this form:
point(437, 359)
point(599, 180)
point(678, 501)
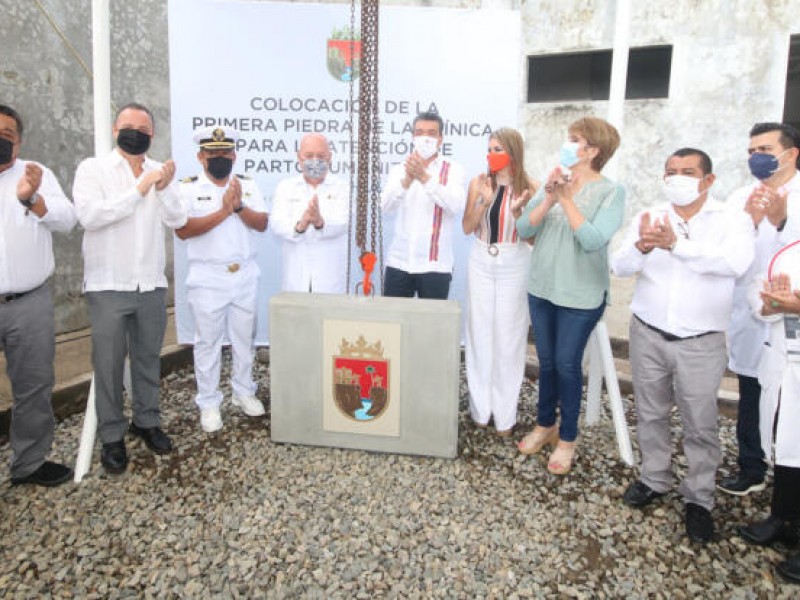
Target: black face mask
point(6, 151)
point(133, 141)
point(219, 167)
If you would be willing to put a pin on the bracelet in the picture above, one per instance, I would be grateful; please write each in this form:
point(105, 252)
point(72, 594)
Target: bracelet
point(781, 225)
point(239, 209)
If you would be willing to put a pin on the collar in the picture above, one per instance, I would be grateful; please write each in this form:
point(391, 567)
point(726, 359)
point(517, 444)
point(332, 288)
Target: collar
point(710, 205)
point(14, 168)
point(117, 159)
point(203, 179)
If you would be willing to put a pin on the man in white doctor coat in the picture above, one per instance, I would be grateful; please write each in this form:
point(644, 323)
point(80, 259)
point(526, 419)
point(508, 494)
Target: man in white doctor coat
point(310, 214)
point(772, 200)
point(226, 214)
point(779, 377)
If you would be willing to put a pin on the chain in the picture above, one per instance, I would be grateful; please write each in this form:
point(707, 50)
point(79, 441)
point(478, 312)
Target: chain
point(366, 174)
point(351, 89)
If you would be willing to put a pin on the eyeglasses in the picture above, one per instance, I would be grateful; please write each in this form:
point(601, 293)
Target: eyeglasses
point(683, 229)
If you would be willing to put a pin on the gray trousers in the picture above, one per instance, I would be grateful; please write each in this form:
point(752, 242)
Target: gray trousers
point(123, 323)
point(27, 335)
point(685, 373)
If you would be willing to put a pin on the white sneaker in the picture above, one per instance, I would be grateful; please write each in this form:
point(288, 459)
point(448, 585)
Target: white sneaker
point(250, 405)
point(210, 420)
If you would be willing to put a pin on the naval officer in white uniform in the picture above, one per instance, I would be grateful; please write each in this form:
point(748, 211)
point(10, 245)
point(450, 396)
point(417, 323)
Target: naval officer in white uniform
point(226, 215)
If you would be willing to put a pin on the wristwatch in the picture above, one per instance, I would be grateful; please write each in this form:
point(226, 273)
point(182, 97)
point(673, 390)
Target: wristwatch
point(239, 208)
point(29, 202)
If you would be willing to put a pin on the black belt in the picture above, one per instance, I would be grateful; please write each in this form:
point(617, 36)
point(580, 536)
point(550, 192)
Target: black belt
point(669, 337)
point(6, 298)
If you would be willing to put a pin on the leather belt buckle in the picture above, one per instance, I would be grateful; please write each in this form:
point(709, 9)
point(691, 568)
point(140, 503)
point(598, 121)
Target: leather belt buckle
point(233, 267)
point(493, 250)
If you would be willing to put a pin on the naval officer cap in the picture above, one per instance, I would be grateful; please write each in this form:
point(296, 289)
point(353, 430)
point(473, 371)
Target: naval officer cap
point(216, 138)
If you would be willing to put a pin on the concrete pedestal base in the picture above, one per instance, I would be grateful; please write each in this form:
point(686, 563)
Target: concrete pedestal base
point(376, 374)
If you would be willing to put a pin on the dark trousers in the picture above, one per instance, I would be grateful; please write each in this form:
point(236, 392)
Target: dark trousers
point(27, 336)
point(399, 284)
point(786, 494)
point(123, 323)
point(560, 334)
point(751, 455)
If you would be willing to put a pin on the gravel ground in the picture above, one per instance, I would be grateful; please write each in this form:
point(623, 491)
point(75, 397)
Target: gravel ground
point(234, 515)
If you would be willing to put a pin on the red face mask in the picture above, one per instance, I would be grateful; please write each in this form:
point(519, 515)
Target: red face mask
point(498, 161)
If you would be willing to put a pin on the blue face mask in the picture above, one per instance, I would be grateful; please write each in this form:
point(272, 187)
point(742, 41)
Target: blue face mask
point(762, 165)
point(568, 156)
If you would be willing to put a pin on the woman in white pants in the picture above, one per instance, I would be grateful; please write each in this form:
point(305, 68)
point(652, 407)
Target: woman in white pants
point(497, 309)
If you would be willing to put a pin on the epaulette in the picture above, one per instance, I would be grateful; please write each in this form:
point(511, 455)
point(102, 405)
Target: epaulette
point(242, 176)
point(189, 179)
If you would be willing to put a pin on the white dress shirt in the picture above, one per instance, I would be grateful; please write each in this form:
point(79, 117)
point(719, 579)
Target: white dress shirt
point(123, 242)
point(229, 242)
point(422, 243)
point(688, 291)
point(747, 333)
point(315, 260)
point(26, 243)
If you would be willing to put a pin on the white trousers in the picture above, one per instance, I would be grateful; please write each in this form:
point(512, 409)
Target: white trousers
point(224, 304)
point(497, 331)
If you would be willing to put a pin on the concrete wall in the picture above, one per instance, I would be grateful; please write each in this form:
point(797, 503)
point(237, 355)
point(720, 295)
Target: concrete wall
point(47, 78)
point(728, 71)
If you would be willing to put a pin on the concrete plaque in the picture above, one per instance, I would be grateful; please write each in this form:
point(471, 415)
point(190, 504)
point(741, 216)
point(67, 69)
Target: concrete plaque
point(376, 374)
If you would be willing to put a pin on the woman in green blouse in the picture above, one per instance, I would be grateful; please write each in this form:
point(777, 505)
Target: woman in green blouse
point(572, 217)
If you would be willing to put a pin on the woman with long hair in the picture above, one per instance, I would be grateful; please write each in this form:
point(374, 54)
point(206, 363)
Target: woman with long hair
point(497, 317)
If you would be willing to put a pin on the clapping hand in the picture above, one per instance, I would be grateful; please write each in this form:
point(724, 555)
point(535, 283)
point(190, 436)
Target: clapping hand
point(484, 190)
point(776, 206)
point(167, 174)
point(518, 203)
point(415, 168)
point(30, 181)
point(233, 195)
point(777, 296)
point(312, 214)
point(657, 235)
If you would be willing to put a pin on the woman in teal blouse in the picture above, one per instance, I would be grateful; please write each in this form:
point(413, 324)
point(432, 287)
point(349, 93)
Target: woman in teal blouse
point(572, 218)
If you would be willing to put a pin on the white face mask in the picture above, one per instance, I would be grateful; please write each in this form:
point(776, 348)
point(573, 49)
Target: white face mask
point(681, 190)
point(426, 146)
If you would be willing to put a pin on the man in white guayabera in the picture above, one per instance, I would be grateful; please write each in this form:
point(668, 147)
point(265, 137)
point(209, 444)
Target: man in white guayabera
point(429, 194)
point(309, 214)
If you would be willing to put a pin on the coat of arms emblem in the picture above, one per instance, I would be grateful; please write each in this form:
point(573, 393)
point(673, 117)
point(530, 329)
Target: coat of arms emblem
point(344, 54)
point(361, 379)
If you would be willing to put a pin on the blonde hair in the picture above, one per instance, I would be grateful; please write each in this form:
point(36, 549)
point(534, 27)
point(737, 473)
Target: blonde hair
point(599, 134)
point(511, 140)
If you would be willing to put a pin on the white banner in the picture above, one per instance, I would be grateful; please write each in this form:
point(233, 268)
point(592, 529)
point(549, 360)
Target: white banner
point(264, 68)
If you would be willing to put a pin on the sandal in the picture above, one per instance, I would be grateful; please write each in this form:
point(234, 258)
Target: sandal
point(560, 462)
point(538, 439)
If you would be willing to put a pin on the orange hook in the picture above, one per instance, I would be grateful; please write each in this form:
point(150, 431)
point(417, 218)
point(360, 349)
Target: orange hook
point(367, 260)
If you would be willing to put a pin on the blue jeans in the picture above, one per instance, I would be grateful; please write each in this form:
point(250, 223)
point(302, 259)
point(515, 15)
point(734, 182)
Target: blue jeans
point(560, 335)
